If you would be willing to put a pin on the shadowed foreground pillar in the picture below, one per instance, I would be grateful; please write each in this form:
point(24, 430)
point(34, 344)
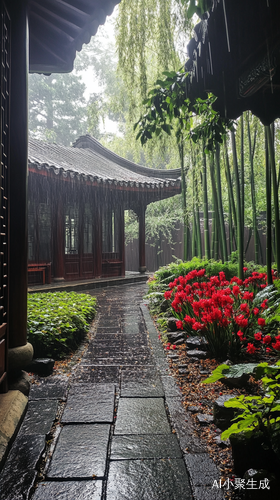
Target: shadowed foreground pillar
point(20, 352)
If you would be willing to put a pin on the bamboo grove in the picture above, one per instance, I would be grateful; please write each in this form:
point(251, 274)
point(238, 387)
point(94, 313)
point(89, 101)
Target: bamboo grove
point(230, 177)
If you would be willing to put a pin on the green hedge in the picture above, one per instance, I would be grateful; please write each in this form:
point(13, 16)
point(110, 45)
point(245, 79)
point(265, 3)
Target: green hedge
point(57, 322)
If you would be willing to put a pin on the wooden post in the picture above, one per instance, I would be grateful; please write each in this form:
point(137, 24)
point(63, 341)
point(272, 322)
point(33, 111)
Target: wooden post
point(122, 241)
point(141, 215)
point(59, 240)
point(20, 353)
point(97, 242)
point(18, 176)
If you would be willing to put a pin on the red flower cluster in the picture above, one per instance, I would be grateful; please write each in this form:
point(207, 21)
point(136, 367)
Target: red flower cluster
point(221, 310)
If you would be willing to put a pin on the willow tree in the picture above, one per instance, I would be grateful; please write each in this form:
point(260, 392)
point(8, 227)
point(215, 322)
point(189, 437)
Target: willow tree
point(145, 40)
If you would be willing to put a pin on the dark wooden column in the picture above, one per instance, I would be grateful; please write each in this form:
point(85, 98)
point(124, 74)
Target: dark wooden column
point(59, 240)
point(97, 241)
point(18, 175)
point(20, 352)
point(141, 214)
point(122, 241)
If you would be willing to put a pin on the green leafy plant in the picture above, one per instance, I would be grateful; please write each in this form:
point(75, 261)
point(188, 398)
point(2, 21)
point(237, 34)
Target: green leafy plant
point(226, 371)
point(260, 413)
point(57, 322)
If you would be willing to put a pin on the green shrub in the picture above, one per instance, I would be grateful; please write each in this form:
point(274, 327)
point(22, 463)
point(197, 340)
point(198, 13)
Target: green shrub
point(57, 322)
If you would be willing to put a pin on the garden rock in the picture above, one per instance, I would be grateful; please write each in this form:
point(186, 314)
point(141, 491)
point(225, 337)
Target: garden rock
point(173, 356)
point(171, 324)
point(222, 443)
point(261, 475)
point(204, 419)
point(174, 337)
point(164, 305)
point(197, 342)
point(197, 354)
point(237, 382)
point(42, 366)
point(183, 371)
point(222, 414)
point(254, 452)
point(194, 409)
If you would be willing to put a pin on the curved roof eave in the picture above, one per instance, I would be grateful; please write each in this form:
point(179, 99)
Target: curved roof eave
point(89, 142)
point(59, 28)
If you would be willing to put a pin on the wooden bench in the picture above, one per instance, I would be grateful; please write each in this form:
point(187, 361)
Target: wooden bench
point(41, 267)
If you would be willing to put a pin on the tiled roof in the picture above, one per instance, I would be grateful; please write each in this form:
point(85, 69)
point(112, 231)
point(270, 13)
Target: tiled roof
point(58, 28)
point(93, 165)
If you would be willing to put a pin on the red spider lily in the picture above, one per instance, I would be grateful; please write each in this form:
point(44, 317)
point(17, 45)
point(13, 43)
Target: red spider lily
point(261, 321)
point(251, 349)
point(267, 339)
point(221, 310)
point(276, 345)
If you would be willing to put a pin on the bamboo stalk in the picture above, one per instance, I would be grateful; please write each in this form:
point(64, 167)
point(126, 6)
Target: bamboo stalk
point(215, 208)
point(184, 201)
point(229, 181)
point(242, 174)
point(220, 205)
point(275, 194)
point(240, 248)
point(268, 213)
point(198, 233)
point(205, 207)
point(253, 191)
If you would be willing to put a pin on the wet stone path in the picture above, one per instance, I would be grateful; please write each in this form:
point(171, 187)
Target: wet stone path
point(123, 433)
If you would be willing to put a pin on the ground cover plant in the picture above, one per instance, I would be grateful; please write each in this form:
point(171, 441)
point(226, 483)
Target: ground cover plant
point(58, 322)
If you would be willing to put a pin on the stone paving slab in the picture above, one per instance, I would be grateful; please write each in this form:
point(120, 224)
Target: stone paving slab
point(81, 452)
point(39, 417)
point(97, 374)
point(151, 389)
point(19, 473)
point(183, 425)
point(49, 390)
point(109, 329)
point(69, 490)
point(145, 373)
point(171, 389)
point(112, 351)
point(202, 470)
point(116, 361)
point(90, 403)
point(207, 493)
point(148, 480)
point(141, 416)
point(145, 446)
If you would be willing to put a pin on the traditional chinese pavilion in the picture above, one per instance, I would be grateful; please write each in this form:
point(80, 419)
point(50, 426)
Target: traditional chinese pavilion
point(76, 202)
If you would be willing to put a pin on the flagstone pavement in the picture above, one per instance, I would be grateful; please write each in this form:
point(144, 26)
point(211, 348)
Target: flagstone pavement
point(120, 432)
